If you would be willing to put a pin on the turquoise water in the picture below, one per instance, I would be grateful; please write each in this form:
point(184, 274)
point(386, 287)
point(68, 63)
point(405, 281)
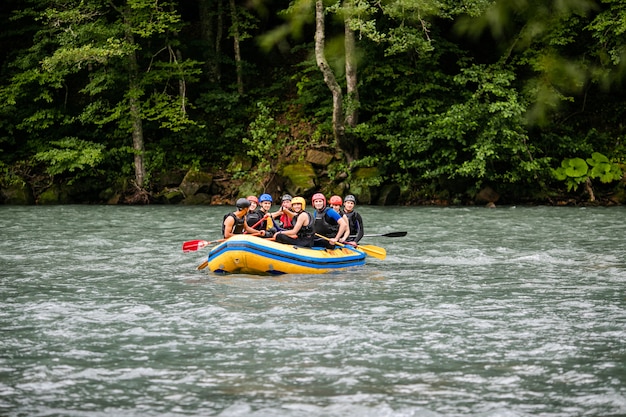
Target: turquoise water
point(476, 312)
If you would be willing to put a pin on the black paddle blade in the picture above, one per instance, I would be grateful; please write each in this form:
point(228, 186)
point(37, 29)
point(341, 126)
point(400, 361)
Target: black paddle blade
point(395, 234)
point(391, 234)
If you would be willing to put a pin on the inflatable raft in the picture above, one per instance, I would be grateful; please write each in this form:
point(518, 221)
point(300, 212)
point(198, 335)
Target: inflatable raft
point(245, 254)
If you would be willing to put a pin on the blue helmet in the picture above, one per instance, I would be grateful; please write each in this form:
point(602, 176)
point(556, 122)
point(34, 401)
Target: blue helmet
point(265, 197)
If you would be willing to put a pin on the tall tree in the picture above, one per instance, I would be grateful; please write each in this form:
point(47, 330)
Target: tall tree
point(352, 83)
point(330, 80)
point(211, 28)
point(91, 46)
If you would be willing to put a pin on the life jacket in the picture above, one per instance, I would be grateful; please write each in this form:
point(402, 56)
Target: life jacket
point(355, 227)
point(253, 217)
point(305, 232)
point(237, 227)
point(325, 225)
point(267, 224)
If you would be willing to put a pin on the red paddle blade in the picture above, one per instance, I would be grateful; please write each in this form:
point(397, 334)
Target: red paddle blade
point(194, 245)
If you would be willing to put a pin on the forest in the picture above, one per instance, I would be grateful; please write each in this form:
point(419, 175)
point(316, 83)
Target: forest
point(442, 102)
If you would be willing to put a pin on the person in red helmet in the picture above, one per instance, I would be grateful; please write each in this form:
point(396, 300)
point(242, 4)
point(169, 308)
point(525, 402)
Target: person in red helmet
point(327, 223)
point(254, 215)
point(336, 204)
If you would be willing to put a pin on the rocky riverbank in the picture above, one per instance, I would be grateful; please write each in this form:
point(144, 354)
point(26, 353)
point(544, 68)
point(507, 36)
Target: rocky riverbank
point(214, 186)
point(317, 171)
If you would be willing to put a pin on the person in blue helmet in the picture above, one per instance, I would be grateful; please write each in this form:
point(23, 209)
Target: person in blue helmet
point(265, 204)
point(327, 223)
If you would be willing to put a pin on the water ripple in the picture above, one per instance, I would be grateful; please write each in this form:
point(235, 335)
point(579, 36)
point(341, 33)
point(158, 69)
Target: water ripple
point(507, 312)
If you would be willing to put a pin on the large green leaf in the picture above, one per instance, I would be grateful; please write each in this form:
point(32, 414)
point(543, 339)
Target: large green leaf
point(576, 167)
point(597, 159)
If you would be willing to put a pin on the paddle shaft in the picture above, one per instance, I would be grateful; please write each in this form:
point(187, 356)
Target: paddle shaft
point(194, 245)
point(371, 250)
point(391, 234)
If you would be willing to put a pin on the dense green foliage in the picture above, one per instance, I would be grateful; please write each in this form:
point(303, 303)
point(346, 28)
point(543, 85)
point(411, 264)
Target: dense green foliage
point(453, 96)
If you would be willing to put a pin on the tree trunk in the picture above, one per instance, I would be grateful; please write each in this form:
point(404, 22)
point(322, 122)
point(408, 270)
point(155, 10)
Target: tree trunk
point(135, 114)
point(182, 86)
point(339, 128)
point(352, 109)
point(352, 113)
point(589, 189)
point(211, 36)
point(236, 40)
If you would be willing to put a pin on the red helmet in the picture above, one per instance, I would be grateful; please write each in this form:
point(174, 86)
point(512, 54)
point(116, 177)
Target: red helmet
point(335, 200)
point(317, 196)
point(252, 198)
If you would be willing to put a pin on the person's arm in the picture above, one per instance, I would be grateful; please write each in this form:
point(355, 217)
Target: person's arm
point(229, 223)
point(342, 225)
point(276, 214)
point(346, 234)
point(288, 212)
point(250, 230)
point(343, 228)
point(333, 215)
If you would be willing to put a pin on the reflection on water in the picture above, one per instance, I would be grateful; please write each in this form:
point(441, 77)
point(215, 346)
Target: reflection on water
point(505, 312)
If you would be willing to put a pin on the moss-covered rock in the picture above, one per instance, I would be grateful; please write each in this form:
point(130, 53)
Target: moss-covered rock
point(196, 182)
point(366, 174)
point(171, 196)
point(320, 158)
point(249, 188)
point(239, 164)
point(487, 195)
point(299, 178)
point(19, 193)
point(197, 200)
point(364, 184)
point(169, 179)
point(56, 194)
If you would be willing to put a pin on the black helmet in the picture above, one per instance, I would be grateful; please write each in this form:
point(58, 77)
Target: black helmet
point(242, 203)
point(350, 197)
point(286, 197)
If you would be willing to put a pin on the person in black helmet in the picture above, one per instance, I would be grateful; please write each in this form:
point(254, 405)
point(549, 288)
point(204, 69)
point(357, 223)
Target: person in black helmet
point(285, 221)
point(235, 223)
point(355, 221)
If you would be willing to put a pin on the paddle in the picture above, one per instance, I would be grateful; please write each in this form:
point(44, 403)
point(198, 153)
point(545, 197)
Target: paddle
point(392, 234)
point(371, 250)
point(206, 263)
point(194, 245)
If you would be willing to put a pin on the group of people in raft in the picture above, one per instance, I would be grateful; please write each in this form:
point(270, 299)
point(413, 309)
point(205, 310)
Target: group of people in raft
point(337, 221)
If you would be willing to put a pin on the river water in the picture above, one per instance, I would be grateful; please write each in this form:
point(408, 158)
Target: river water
point(513, 311)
